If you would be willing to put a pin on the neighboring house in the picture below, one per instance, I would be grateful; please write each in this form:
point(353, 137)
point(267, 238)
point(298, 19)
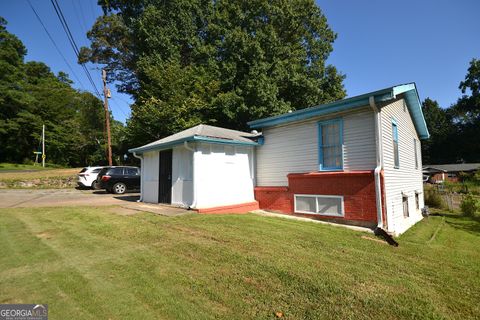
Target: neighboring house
point(205, 168)
point(354, 161)
point(439, 173)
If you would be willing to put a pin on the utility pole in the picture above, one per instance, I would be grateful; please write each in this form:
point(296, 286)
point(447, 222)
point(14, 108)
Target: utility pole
point(43, 146)
point(107, 116)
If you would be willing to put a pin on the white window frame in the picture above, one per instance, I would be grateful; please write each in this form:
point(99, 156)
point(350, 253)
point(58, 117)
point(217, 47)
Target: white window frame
point(406, 214)
point(342, 205)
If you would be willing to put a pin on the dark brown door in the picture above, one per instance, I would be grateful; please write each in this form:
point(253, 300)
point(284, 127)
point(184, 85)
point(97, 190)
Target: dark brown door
point(165, 177)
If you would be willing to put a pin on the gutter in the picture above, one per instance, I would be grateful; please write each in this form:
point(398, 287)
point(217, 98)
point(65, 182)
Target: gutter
point(141, 175)
point(379, 160)
point(194, 180)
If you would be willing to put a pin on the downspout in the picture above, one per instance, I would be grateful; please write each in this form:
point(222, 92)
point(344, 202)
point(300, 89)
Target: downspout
point(194, 181)
point(141, 175)
point(379, 161)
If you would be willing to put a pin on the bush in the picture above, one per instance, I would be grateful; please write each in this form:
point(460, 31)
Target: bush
point(470, 206)
point(434, 199)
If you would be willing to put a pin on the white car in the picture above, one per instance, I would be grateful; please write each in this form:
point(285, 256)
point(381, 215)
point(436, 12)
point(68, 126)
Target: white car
point(87, 177)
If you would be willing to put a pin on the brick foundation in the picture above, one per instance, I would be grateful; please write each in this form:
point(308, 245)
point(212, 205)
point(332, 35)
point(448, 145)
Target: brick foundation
point(357, 188)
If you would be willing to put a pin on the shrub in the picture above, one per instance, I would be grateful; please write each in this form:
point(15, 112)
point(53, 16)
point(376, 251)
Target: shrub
point(434, 199)
point(470, 206)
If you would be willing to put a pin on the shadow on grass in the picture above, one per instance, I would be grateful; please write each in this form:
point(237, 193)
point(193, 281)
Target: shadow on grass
point(464, 223)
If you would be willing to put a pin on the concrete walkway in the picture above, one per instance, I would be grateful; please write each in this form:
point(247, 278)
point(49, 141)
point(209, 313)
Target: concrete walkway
point(37, 198)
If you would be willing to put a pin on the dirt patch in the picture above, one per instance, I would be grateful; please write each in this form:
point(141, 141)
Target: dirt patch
point(45, 235)
point(374, 239)
point(121, 211)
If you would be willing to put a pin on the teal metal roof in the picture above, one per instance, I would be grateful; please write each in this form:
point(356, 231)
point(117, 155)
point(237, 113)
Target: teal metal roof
point(409, 90)
point(203, 133)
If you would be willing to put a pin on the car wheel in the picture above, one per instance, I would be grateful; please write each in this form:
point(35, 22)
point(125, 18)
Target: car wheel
point(119, 188)
point(94, 185)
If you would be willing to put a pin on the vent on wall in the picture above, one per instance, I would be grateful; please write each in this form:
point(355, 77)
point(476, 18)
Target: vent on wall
point(326, 205)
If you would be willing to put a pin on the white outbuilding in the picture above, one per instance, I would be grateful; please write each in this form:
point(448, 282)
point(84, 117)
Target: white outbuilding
point(205, 168)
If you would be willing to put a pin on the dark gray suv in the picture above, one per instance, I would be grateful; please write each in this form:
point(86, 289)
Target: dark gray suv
point(119, 179)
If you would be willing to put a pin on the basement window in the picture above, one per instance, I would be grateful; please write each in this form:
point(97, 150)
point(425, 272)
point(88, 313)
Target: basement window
point(319, 204)
point(417, 200)
point(406, 214)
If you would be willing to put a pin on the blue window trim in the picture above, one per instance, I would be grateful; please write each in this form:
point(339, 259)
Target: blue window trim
point(320, 145)
point(396, 160)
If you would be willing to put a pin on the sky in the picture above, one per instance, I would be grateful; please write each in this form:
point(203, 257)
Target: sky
point(380, 43)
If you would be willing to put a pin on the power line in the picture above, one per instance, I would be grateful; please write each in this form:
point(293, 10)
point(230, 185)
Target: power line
point(119, 108)
point(81, 22)
point(55, 44)
point(71, 39)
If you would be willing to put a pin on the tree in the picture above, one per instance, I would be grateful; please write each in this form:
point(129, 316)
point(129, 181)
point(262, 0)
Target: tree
point(32, 96)
point(437, 149)
point(455, 131)
point(466, 114)
point(218, 62)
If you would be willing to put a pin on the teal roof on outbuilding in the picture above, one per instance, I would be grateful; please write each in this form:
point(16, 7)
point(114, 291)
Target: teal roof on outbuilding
point(409, 91)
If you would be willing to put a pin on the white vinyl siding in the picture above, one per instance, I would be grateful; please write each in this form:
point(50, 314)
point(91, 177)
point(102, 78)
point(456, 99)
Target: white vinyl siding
point(293, 148)
point(407, 179)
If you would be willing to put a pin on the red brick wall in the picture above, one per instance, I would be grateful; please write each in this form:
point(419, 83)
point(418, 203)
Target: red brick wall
point(357, 188)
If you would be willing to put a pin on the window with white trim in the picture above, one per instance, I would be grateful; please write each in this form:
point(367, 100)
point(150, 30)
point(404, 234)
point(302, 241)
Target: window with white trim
point(406, 213)
point(326, 205)
point(330, 144)
point(396, 157)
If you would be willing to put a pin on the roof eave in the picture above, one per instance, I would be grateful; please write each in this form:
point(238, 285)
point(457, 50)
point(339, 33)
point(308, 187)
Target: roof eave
point(336, 106)
point(409, 90)
point(191, 138)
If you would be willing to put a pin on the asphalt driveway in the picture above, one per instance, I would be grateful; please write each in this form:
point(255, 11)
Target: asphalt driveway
point(37, 198)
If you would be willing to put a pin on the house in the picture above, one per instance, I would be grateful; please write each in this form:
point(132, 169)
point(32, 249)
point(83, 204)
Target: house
point(206, 168)
point(353, 161)
point(439, 173)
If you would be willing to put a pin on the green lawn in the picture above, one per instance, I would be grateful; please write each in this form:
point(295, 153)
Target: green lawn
point(90, 263)
point(18, 166)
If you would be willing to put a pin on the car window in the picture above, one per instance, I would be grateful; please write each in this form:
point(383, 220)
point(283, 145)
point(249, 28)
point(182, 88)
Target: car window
point(83, 170)
point(132, 171)
point(96, 170)
point(116, 171)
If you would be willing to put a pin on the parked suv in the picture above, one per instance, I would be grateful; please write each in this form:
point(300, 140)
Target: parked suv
point(119, 179)
point(87, 177)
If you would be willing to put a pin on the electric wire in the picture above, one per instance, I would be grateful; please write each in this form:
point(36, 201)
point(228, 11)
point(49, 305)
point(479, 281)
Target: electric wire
point(71, 39)
point(55, 45)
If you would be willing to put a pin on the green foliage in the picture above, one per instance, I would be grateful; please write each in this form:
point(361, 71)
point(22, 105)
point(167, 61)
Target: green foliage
point(455, 131)
point(441, 129)
point(434, 199)
point(30, 96)
point(217, 62)
point(470, 205)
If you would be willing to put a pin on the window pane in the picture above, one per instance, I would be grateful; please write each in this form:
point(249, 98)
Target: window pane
point(306, 204)
point(116, 171)
point(132, 171)
point(329, 205)
point(331, 145)
point(395, 154)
